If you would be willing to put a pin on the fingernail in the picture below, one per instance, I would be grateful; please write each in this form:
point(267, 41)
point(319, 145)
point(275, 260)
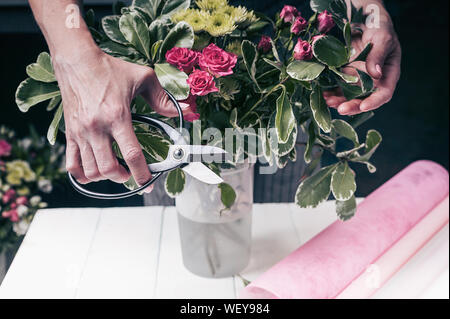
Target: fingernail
point(149, 189)
point(378, 68)
point(342, 110)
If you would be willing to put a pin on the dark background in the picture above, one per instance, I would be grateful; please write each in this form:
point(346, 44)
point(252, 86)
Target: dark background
point(414, 124)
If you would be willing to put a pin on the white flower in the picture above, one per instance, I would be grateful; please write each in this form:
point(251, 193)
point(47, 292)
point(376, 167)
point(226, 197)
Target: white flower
point(25, 143)
point(35, 200)
point(22, 210)
point(43, 205)
point(20, 228)
point(45, 185)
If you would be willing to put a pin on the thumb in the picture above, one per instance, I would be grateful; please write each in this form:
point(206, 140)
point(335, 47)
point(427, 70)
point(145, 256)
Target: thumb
point(153, 93)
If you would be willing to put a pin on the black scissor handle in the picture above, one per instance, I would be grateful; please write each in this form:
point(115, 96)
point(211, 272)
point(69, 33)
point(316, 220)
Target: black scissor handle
point(160, 125)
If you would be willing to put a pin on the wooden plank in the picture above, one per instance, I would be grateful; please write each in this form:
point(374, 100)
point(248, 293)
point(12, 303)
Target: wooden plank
point(274, 237)
point(51, 258)
point(122, 261)
point(174, 280)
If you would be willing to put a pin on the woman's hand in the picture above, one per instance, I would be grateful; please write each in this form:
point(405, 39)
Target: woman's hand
point(97, 91)
point(383, 65)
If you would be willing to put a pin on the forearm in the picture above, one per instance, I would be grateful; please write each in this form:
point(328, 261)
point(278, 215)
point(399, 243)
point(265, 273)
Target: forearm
point(65, 31)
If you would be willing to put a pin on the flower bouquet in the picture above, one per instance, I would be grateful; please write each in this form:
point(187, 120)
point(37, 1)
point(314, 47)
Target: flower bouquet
point(28, 169)
point(234, 69)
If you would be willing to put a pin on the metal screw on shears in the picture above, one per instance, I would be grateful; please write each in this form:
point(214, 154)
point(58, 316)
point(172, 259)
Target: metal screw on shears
point(178, 154)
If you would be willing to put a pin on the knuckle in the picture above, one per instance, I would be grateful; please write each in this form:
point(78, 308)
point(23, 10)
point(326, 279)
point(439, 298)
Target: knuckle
point(92, 123)
point(92, 174)
point(133, 154)
point(107, 168)
point(72, 167)
point(141, 180)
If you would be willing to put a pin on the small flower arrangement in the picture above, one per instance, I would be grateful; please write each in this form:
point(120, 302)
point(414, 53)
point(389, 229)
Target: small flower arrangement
point(233, 68)
point(28, 169)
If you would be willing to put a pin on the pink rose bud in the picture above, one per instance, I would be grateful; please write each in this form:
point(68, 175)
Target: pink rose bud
point(8, 196)
point(182, 58)
point(22, 200)
point(303, 50)
point(317, 37)
point(11, 214)
point(265, 45)
point(201, 83)
point(299, 25)
point(5, 148)
point(326, 22)
point(189, 107)
point(216, 61)
point(288, 13)
point(191, 117)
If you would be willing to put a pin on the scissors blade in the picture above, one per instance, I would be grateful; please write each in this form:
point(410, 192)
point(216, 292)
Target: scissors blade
point(201, 172)
point(205, 153)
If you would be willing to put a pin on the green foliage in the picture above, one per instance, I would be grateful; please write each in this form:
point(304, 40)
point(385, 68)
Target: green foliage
point(268, 89)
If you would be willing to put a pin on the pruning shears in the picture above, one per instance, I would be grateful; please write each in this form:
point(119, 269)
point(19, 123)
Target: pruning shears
point(180, 155)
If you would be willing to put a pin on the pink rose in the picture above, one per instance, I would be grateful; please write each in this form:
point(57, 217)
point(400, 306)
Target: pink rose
point(5, 148)
point(299, 25)
point(22, 200)
point(201, 83)
point(326, 22)
point(189, 107)
point(11, 214)
point(288, 13)
point(302, 50)
point(8, 196)
point(216, 61)
point(265, 45)
point(184, 59)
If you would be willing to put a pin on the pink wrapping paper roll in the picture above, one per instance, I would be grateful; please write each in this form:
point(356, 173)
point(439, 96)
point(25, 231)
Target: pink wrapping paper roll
point(329, 262)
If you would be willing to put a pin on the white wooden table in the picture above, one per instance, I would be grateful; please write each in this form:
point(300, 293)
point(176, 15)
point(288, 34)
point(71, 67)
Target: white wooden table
point(135, 253)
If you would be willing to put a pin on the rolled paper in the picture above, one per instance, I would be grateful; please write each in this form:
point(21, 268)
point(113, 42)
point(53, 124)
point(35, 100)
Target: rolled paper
point(398, 255)
point(325, 265)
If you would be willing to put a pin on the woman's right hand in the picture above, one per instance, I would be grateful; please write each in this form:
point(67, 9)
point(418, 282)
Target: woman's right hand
point(97, 90)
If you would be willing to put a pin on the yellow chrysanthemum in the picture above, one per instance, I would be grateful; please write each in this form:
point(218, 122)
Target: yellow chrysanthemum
point(195, 18)
point(18, 170)
point(237, 14)
point(219, 25)
point(234, 47)
point(210, 5)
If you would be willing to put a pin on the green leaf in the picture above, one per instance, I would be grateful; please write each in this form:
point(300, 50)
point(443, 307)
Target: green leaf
point(135, 31)
point(308, 154)
point(346, 130)
point(155, 48)
point(373, 140)
point(31, 92)
point(110, 25)
point(315, 189)
point(366, 81)
point(173, 80)
point(339, 9)
point(54, 102)
point(359, 119)
point(172, 6)
point(119, 50)
point(42, 70)
point(275, 64)
point(227, 195)
point(350, 91)
point(158, 30)
point(320, 110)
point(346, 209)
point(362, 56)
point(284, 118)
point(54, 125)
point(348, 35)
point(344, 76)
point(175, 181)
point(330, 51)
point(150, 7)
point(181, 35)
point(304, 71)
point(250, 54)
point(343, 183)
point(154, 145)
point(280, 149)
point(319, 5)
point(90, 18)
